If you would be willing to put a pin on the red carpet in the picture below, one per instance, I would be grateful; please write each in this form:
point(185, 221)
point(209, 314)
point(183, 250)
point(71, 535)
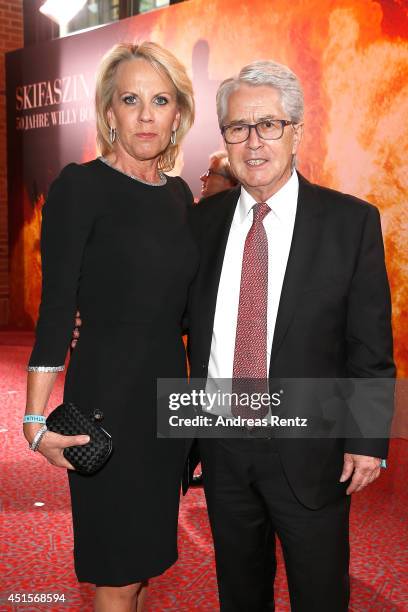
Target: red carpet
point(36, 542)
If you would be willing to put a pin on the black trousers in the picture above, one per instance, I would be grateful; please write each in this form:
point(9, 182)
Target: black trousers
point(249, 501)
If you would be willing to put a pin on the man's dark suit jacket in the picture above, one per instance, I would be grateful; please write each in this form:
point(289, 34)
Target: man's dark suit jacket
point(334, 317)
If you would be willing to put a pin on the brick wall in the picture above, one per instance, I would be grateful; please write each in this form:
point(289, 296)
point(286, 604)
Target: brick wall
point(11, 37)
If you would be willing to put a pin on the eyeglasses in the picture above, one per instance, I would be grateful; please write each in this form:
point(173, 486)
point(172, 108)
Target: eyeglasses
point(268, 129)
point(211, 172)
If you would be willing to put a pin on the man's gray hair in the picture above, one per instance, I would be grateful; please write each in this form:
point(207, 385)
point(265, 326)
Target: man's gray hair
point(272, 74)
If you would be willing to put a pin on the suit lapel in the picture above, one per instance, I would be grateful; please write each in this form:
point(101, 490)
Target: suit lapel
point(214, 242)
point(302, 255)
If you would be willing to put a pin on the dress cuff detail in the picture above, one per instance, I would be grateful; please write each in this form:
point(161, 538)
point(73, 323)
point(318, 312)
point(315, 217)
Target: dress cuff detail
point(46, 368)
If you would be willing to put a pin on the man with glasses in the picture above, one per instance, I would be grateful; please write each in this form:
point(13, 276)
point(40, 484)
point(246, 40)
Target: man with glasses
point(292, 284)
point(218, 176)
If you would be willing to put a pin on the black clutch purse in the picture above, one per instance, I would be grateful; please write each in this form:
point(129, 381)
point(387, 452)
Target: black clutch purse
point(68, 420)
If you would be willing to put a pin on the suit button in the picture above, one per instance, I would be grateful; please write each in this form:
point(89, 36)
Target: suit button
point(204, 366)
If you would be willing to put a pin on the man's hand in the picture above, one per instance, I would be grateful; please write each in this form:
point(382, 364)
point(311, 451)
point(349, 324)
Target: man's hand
point(366, 470)
point(75, 333)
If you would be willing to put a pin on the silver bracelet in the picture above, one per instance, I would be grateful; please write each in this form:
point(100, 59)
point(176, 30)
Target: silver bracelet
point(51, 369)
point(37, 438)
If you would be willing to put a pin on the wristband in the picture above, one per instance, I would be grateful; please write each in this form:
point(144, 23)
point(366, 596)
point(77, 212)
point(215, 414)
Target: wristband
point(37, 438)
point(34, 418)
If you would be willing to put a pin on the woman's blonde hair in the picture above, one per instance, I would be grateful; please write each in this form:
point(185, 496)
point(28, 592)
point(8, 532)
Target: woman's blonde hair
point(166, 63)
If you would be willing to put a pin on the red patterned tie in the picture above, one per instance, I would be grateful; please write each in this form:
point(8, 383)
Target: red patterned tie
point(250, 361)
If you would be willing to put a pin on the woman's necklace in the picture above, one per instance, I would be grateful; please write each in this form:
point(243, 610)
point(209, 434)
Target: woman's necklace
point(163, 177)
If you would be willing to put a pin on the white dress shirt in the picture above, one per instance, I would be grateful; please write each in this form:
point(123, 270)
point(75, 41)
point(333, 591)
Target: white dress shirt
point(278, 225)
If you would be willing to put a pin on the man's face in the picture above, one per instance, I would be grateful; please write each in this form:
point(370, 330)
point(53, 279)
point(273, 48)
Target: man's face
point(262, 166)
point(213, 181)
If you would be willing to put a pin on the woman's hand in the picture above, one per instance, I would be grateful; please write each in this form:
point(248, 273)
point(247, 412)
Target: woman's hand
point(53, 444)
point(76, 333)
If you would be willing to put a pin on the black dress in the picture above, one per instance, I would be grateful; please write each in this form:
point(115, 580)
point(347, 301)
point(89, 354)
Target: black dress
point(121, 252)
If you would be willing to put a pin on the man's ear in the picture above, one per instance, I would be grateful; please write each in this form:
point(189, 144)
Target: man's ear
point(297, 137)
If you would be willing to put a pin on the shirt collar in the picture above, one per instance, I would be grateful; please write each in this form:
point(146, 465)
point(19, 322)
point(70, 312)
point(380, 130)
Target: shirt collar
point(283, 203)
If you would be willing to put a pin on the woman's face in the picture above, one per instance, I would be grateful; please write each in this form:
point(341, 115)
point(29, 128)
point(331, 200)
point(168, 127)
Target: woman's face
point(144, 110)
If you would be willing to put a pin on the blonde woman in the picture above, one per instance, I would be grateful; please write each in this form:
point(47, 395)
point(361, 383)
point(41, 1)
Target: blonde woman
point(115, 245)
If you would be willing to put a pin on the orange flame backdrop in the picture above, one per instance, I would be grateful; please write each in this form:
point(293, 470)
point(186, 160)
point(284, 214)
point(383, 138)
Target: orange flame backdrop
point(351, 56)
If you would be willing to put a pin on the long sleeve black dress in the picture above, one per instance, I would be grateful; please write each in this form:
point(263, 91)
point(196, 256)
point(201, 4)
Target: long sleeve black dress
point(121, 252)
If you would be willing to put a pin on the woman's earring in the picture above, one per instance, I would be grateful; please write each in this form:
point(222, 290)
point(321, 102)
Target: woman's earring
point(173, 137)
point(112, 134)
